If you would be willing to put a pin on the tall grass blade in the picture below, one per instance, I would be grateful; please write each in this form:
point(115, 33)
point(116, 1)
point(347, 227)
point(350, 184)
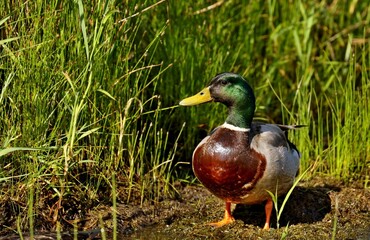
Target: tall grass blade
point(83, 28)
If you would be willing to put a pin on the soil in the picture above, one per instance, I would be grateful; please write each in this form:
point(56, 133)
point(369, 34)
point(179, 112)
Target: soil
point(319, 208)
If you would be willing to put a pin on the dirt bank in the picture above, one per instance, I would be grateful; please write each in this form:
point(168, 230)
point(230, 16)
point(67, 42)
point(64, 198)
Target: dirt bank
point(317, 209)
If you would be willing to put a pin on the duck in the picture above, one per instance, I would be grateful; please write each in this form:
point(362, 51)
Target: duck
point(241, 161)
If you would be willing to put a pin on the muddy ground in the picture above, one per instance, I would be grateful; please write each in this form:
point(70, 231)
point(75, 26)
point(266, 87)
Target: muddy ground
point(317, 209)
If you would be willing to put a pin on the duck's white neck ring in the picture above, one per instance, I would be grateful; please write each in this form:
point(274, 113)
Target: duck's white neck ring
point(235, 128)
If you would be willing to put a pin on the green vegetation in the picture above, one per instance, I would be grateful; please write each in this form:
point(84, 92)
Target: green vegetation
point(89, 93)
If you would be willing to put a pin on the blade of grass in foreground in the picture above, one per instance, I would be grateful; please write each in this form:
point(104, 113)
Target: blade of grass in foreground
point(274, 197)
point(6, 151)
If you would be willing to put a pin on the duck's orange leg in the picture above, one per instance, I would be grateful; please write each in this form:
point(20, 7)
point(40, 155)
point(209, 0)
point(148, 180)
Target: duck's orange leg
point(268, 210)
point(228, 218)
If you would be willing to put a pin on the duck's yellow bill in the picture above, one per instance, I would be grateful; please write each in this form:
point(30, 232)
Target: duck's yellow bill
point(201, 97)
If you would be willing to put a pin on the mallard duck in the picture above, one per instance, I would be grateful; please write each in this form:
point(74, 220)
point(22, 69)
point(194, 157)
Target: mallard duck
point(240, 161)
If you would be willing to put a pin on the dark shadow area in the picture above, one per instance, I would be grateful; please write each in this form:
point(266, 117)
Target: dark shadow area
point(93, 234)
point(305, 205)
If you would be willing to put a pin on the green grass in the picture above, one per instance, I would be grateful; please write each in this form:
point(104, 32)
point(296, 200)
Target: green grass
point(91, 88)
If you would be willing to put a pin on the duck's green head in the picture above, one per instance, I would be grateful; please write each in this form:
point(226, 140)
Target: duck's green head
point(232, 90)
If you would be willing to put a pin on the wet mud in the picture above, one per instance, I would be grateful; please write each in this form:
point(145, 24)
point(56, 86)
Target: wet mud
point(318, 208)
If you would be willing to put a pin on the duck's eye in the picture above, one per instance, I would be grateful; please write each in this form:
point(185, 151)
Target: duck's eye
point(223, 82)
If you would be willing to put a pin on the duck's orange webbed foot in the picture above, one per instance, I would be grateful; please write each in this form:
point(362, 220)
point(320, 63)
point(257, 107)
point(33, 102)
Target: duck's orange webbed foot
point(268, 210)
point(228, 218)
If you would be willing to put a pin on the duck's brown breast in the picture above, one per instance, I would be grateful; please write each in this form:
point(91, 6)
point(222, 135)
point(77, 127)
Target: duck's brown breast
point(226, 165)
